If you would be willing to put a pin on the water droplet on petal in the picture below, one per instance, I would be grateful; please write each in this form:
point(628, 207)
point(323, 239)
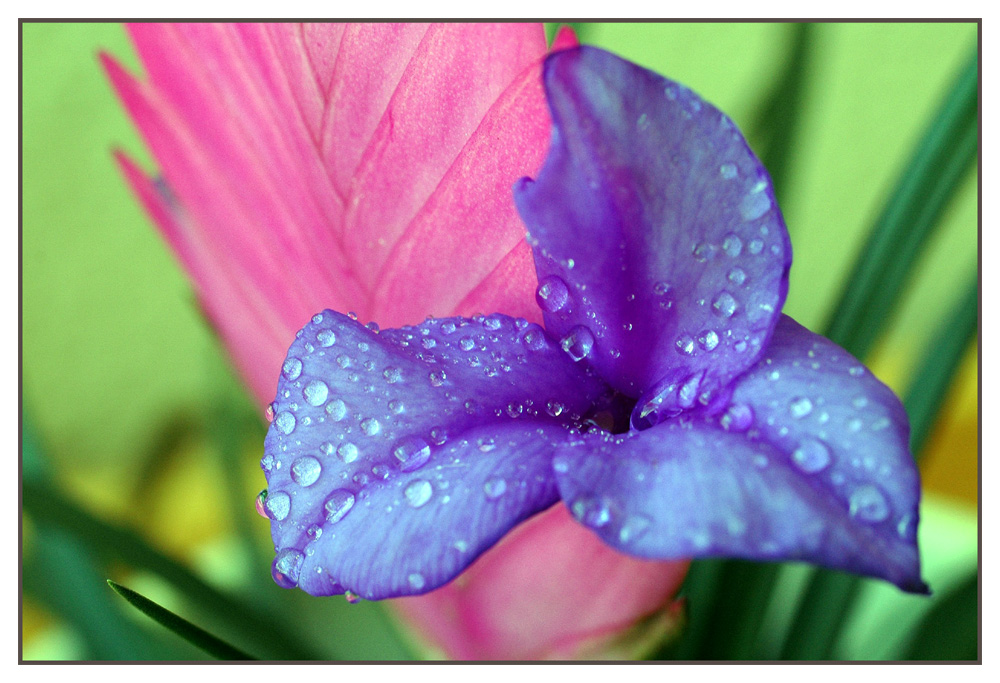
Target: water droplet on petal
point(685, 344)
point(338, 504)
point(492, 323)
point(494, 488)
point(554, 408)
point(728, 171)
point(754, 205)
point(811, 456)
point(306, 470)
point(633, 527)
point(592, 512)
point(285, 422)
point(486, 444)
point(418, 492)
point(799, 407)
point(326, 338)
point(370, 426)
point(437, 377)
point(438, 436)
point(412, 452)
point(291, 368)
point(737, 276)
point(856, 371)
point(352, 597)
point(708, 340)
point(447, 327)
point(534, 338)
point(269, 413)
point(348, 452)
point(336, 409)
point(416, 581)
point(258, 504)
point(578, 343)
point(737, 418)
point(756, 246)
point(277, 505)
point(868, 504)
point(467, 343)
point(724, 305)
point(732, 245)
point(703, 252)
point(552, 294)
point(316, 392)
point(392, 375)
point(286, 566)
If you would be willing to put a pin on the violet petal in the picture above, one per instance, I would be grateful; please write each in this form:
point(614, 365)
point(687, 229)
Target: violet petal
point(395, 458)
point(654, 227)
point(809, 462)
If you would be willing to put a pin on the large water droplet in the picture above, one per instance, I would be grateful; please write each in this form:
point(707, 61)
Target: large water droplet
point(578, 343)
point(799, 407)
point(416, 581)
point(447, 327)
point(811, 456)
point(277, 505)
point(286, 567)
point(737, 418)
point(392, 375)
point(724, 305)
point(306, 470)
point(285, 422)
point(412, 452)
point(684, 344)
point(418, 492)
point(338, 504)
point(592, 512)
point(291, 368)
point(467, 343)
point(348, 452)
point(732, 245)
point(708, 340)
point(554, 408)
point(494, 488)
point(552, 294)
point(868, 504)
point(336, 409)
point(316, 392)
point(492, 323)
point(754, 205)
point(633, 527)
point(370, 426)
point(326, 338)
point(737, 276)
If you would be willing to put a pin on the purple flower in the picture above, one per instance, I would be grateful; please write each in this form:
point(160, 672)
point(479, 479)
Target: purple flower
point(667, 402)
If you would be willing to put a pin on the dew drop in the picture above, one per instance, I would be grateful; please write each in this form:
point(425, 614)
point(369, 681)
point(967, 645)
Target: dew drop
point(552, 294)
point(348, 452)
point(732, 245)
point(437, 377)
point(811, 456)
point(326, 338)
point(418, 492)
point(592, 512)
point(447, 327)
point(799, 407)
point(633, 527)
point(392, 375)
point(494, 488)
point(259, 502)
point(492, 323)
point(438, 436)
point(514, 409)
point(708, 340)
point(396, 407)
point(486, 444)
point(336, 409)
point(737, 276)
point(724, 305)
point(856, 371)
point(316, 392)
point(343, 361)
point(703, 252)
point(578, 343)
point(412, 452)
point(868, 504)
point(352, 597)
point(291, 368)
point(269, 413)
point(277, 505)
point(534, 338)
point(370, 426)
point(737, 418)
point(684, 344)
point(467, 343)
point(285, 422)
point(728, 171)
point(661, 289)
point(416, 581)
point(286, 567)
point(754, 205)
point(306, 470)
point(338, 504)
point(859, 402)
point(554, 408)
point(755, 246)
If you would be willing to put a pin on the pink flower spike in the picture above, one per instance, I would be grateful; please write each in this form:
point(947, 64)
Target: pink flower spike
point(369, 168)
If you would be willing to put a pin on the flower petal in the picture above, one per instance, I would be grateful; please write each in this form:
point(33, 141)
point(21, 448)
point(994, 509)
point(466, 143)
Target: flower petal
point(809, 462)
point(394, 459)
point(653, 226)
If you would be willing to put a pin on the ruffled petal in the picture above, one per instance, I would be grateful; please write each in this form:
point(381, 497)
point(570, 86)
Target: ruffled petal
point(655, 231)
point(394, 459)
point(809, 462)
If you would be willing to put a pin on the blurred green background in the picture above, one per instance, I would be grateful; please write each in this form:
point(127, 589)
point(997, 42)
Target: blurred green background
point(139, 421)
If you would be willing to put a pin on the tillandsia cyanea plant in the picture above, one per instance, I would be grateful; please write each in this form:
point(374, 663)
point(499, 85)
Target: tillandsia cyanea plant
point(664, 398)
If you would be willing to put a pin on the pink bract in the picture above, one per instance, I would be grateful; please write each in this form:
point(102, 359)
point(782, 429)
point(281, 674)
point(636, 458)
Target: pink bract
point(369, 168)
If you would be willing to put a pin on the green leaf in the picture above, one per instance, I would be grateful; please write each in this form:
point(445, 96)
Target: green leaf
point(950, 630)
point(47, 505)
point(934, 373)
point(195, 635)
point(946, 152)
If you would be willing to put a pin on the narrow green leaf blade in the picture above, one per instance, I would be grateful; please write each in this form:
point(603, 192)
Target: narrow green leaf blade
point(195, 635)
point(946, 151)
